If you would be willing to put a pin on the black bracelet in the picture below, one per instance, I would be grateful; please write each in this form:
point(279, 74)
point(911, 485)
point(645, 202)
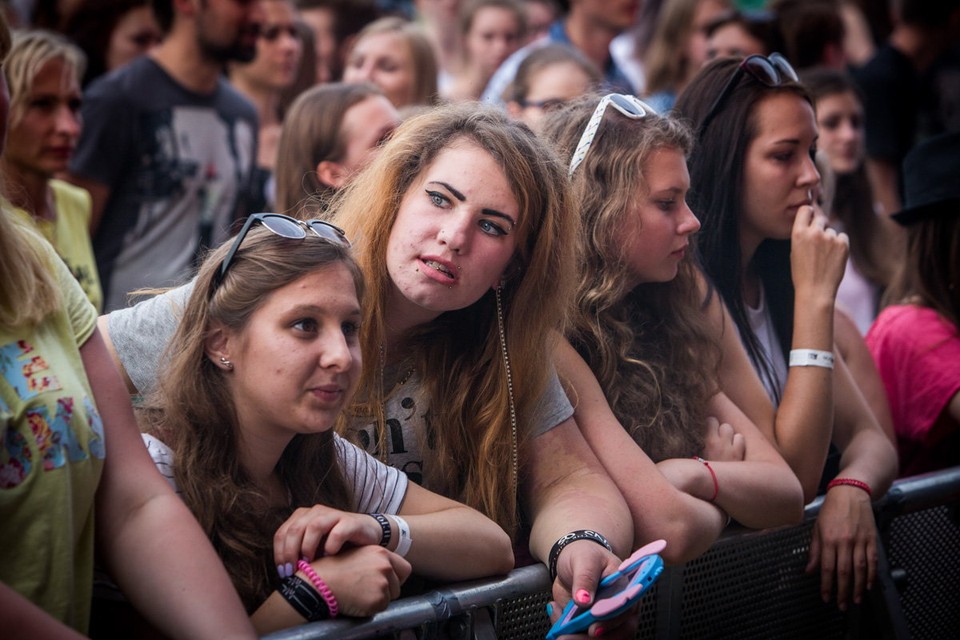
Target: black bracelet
point(573, 536)
point(304, 598)
point(385, 525)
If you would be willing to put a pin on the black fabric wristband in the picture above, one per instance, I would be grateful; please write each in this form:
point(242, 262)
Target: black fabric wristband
point(385, 526)
point(304, 598)
point(573, 536)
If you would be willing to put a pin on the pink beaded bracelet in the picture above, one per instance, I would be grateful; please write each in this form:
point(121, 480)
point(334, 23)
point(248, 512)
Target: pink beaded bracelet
point(320, 586)
point(853, 482)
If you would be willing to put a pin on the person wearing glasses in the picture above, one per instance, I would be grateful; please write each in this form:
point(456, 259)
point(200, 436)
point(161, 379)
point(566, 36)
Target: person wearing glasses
point(776, 265)
point(645, 367)
point(546, 79)
point(466, 236)
point(263, 81)
point(265, 359)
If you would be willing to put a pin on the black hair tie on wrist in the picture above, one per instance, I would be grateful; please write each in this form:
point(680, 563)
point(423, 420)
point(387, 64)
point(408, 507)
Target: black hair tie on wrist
point(573, 536)
point(304, 599)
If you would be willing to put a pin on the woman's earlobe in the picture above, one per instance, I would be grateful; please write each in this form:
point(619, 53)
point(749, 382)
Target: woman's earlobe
point(331, 174)
point(216, 348)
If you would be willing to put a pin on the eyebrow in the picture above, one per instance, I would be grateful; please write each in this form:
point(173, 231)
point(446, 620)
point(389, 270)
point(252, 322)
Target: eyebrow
point(462, 198)
point(313, 308)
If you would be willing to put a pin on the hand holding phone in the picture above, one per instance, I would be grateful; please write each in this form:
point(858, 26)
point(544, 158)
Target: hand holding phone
point(616, 593)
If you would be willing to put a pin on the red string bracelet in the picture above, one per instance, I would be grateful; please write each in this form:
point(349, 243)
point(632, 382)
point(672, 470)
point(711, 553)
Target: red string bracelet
point(713, 474)
point(320, 586)
point(853, 482)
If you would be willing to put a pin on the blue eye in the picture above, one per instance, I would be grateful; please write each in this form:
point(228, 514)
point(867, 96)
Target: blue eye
point(492, 228)
point(350, 328)
point(438, 199)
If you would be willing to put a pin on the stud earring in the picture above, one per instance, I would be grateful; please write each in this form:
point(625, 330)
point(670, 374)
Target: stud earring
point(226, 364)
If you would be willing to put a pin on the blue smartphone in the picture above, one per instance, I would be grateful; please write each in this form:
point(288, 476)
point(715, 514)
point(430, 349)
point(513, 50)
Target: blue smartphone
point(616, 593)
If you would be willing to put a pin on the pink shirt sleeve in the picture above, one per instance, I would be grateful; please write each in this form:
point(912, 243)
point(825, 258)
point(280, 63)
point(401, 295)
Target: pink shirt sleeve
point(918, 355)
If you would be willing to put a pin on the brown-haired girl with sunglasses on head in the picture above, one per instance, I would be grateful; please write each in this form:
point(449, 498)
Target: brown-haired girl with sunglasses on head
point(776, 267)
point(264, 360)
point(645, 368)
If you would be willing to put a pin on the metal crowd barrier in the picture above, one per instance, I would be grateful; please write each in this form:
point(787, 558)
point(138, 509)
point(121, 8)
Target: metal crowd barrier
point(750, 584)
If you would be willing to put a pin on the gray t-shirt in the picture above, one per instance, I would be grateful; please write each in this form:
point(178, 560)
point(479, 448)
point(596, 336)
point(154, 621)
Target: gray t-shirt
point(179, 167)
point(140, 335)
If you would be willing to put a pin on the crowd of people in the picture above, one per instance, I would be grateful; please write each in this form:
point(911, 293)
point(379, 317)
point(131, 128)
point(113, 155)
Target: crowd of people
point(309, 304)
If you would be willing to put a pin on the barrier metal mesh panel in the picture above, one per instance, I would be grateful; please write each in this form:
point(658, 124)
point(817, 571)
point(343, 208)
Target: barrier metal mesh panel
point(755, 587)
point(926, 546)
point(525, 618)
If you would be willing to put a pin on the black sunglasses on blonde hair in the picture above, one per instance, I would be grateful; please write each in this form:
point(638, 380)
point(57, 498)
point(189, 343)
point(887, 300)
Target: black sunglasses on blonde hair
point(770, 71)
point(285, 227)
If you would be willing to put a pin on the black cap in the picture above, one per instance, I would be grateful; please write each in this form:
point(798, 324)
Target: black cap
point(931, 179)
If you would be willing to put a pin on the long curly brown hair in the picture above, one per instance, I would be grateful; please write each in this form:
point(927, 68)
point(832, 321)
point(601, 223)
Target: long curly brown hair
point(647, 345)
point(194, 413)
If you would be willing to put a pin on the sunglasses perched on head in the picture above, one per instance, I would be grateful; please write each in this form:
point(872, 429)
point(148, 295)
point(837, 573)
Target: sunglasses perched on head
point(629, 106)
point(285, 227)
point(770, 71)
point(616, 593)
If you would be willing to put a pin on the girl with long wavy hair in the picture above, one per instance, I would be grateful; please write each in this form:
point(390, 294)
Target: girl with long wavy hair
point(776, 266)
point(465, 234)
point(642, 338)
point(263, 361)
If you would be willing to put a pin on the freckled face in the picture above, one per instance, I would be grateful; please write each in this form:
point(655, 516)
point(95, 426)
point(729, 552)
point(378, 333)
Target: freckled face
point(454, 234)
point(659, 228)
point(779, 172)
point(297, 362)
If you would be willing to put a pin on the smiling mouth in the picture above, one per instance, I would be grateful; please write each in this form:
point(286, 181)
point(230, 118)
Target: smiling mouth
point(439, 267)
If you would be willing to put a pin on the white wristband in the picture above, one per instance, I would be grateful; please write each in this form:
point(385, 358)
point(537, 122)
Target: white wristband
point(811, 358)
point(404, 542)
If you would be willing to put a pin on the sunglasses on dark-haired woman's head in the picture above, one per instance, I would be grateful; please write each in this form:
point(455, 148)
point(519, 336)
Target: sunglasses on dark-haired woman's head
point(770, 71)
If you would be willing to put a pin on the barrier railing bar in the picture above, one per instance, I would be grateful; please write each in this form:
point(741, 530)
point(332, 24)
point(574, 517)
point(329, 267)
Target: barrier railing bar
point(907, 495)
